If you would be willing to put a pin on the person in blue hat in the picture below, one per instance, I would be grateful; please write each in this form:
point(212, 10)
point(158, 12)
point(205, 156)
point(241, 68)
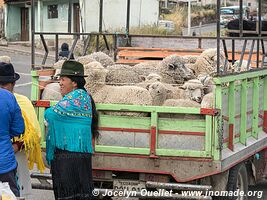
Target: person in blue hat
point(11, 125)
point(72, 124)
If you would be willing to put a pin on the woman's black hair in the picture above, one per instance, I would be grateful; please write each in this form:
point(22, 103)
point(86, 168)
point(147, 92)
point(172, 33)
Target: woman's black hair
point(80, 84)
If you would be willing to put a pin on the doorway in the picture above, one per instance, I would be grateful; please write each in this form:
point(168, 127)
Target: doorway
point(24, 24)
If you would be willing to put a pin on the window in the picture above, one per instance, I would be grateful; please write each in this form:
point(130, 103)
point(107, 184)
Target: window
point(52, 11)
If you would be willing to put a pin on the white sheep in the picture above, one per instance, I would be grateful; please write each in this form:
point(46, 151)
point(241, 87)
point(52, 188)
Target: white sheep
point(102, 93)
point(147, 80)
point(101, 57)
point(172, 69)
point(208, 101)
point(208, 83)
point(207, 62)
point(85, 59)
point(190, 59)
point(5, 59)
point(51, 92)
point(243, 66)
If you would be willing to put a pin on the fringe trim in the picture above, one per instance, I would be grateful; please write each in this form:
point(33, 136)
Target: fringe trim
point(31, 143)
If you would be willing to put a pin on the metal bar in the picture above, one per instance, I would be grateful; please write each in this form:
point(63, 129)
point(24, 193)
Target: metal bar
point(233, 52)
point(154, 134)
point(199, 43)
point(86, 45)
point(106, 42)
point(56, 50)
point(115, 47)
point(218, 35)
point(128, 16)
point(69, 16)
point(259, 17)
point(242, 54)
point(226, 55)
point(258, 54)
point(263, 53)
point(32, 34)
point(217, 138)
point(45, 47)
point(265, 104)
point(241, 18)
point(243, 120)
point(73, 46)
point(250, 53)
point(100, 24)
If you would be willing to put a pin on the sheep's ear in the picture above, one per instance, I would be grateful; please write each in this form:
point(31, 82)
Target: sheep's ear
point(147, 87)
point(172, 66)
point(182, 87)
point(143, 78)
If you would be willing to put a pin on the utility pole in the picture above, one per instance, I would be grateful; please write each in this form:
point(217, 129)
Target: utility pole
point(189, 17)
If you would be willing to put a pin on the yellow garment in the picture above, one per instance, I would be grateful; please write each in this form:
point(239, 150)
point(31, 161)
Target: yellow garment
point(32, 133)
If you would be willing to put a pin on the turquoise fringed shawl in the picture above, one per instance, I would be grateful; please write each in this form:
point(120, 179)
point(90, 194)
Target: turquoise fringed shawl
point(69, 124)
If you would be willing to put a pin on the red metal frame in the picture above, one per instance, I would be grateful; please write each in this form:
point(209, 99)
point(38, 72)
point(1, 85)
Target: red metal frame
point(181, 133)
point(153, 142)
point(231, 137)
point(209, 111)
point(41, 103)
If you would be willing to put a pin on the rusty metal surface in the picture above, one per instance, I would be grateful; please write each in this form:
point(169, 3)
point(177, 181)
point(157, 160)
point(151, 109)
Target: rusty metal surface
point(182, 170)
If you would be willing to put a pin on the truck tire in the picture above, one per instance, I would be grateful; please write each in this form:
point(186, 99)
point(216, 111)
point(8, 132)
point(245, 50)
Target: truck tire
point(238, 179)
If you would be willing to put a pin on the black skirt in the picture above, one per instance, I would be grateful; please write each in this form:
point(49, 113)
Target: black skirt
point(72, 175)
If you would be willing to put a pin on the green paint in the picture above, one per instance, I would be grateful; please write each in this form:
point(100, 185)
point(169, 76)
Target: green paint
point(186, 153)
point(243, 123)
point(255, 113)
point(208, 135)
point(42, 126)
point(231, 105)
point(216, 143)
point(240, 76)
point(122, 150)
point(182, 125)
point(34, 88)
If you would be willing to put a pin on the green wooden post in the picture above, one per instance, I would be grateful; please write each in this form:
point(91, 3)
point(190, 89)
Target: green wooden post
point(243, 124)
point(35, 87)
point(41, 111)
point(231, 111)
point(154, 134)
point(208, 135)
point(255, 108)
point(217, 141)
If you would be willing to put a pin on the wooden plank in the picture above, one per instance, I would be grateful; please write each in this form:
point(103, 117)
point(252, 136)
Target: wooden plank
point(217, 125)
point(208, 135)
point(182, 125)
point(255, 113)
point(184, 153)
point(122, 150)
point(243, 123)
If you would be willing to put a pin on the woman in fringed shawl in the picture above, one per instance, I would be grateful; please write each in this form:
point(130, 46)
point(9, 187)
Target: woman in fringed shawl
point(72, 123)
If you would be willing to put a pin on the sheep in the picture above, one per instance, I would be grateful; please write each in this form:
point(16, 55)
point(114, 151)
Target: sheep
point(122, 74)
point(190, 59)
point(58, 64)
point(194, 90)
point(243, 66)
point(172, 69)
point(147, 80)
point(101, 57)
point(102, 93)
point(207, 82)
point(208, 101)
point(207, 62)
point(5, 59)
point(85, 59)
point(51, 92)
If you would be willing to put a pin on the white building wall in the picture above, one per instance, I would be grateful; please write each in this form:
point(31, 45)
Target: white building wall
point(143, 12)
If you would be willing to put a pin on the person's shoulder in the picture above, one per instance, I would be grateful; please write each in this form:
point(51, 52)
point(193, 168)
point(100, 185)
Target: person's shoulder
point(6, 93)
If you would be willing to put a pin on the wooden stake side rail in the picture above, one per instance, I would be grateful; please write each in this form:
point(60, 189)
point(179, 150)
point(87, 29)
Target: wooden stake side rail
point(135, 55)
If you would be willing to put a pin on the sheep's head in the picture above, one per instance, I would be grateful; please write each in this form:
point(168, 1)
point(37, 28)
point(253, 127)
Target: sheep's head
point(151, 78)
point(174, 66)
point(194, 90)
point(207, 82)
point(158, 92)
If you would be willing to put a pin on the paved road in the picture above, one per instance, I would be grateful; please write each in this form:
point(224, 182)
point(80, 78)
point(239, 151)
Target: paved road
point(201, 30)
